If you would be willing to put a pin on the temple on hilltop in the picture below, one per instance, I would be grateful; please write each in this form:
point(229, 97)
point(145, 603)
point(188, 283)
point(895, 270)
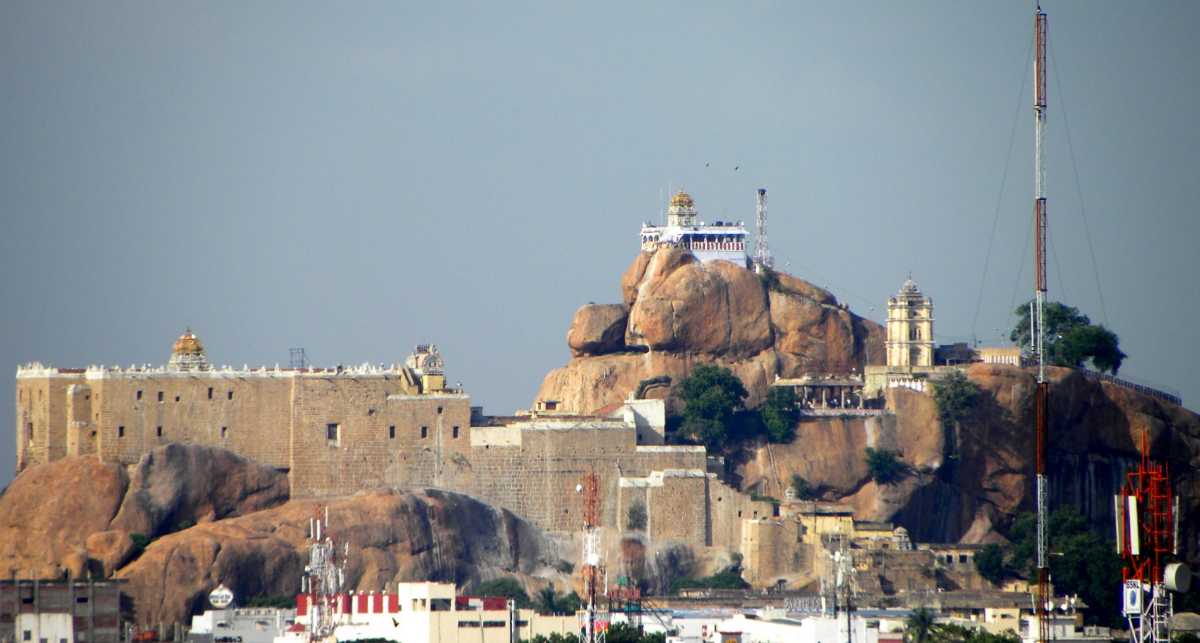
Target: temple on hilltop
point(719, 241)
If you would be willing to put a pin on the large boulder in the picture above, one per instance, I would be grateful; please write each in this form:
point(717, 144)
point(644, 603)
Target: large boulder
point(181, 485)
point(392, 537)
point(48, 512)
point(682, 312)
point(78, 515)
point(715, 308)
point(597, 329)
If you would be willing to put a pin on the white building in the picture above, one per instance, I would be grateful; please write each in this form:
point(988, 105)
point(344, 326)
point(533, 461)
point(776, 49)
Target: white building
point(240, 625)
point(722, 240)
point(428, 613)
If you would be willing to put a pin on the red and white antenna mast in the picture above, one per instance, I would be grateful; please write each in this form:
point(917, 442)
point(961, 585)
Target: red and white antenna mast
point(1147, 521)
point(593, 565)
point(1037, 319)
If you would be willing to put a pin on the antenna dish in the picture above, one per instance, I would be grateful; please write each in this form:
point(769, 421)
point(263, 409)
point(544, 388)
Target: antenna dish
point(1177, 577)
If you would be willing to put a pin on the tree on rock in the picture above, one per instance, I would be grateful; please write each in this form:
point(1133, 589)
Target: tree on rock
point(955, 396)
point(711, 396)
point(1072, 339)
point(779, 414)
point(989, 562)
point(884, 466)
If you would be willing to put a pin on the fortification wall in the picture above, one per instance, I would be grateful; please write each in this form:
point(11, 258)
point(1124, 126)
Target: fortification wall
point(337, 433)
point(242, 412)
point(772, 548)
point(351, 434)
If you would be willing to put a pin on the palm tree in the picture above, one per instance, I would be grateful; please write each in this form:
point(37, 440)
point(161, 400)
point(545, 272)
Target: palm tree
point(918, 627)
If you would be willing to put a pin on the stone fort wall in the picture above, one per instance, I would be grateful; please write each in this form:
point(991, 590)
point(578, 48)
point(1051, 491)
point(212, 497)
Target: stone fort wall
point(337, 432)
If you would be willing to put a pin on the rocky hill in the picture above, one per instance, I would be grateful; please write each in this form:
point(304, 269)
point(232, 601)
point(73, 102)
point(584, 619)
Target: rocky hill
point(212, 517)
point(677, 312)
point(966, 484)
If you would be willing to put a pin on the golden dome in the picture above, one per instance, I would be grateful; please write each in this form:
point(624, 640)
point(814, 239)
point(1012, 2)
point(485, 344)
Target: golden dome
point(188, 344)
point(682, 199)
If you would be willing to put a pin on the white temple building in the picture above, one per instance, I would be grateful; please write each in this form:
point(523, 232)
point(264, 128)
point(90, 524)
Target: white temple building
point(722, 240)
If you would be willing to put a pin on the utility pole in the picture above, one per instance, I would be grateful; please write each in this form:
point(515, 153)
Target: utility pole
point(1039, 336)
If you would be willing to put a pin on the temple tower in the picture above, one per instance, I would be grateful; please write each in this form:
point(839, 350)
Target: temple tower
point(682, 211)
point(910, 327)
point(188, 354)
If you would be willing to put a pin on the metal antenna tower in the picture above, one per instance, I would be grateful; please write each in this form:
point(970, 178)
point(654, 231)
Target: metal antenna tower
point(1038, 318)
point(762, 253)
point(323, 579)
point(297, 358)
point(1147, 521)
point(592, 558)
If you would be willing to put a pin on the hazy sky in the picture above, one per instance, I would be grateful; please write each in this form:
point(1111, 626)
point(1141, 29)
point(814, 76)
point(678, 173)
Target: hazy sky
point(357, 178)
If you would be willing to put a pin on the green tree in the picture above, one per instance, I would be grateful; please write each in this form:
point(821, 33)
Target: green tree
point(954, 633)
point(507, 587)
point(626, 633)
point(884, 466)
point(635, 519)
point(1071, 339)
point(779, 414)
point(550, 602)
point(711, 396)
point(955, 396)
point(554, 638)
point(919, 626)
point(989, 561)
point(1080, 561)
point(802, 489)
point(727, 579)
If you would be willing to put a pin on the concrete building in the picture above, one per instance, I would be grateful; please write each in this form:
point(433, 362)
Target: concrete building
point(720, 241)
point(241, 625)
point(63, 612)
point(430, 613)
point(1010, 355)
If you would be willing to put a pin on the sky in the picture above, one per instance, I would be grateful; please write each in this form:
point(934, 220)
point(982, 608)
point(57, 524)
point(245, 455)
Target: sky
point(358, 178)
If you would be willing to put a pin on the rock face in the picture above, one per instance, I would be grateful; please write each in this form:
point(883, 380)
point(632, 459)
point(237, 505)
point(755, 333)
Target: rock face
point(682, 312)
point(76, 514)
point(968, 484)
point(829, 454)
point(392, 537)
